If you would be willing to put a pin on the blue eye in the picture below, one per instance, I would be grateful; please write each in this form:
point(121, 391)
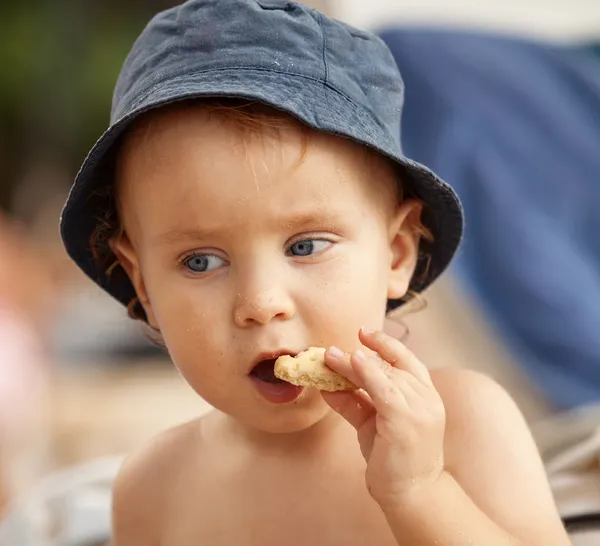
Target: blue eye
point(201, 263)
point(307, 247)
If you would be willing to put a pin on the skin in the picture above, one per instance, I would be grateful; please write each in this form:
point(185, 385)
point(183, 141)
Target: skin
point(355, 469)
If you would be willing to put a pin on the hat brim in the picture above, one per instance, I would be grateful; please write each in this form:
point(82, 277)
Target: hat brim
point(313, 102)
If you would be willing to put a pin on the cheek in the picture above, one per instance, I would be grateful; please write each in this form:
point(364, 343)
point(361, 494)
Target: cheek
point(187, 316)
point(189, 324)
point(199, 357)
point(179, 302)
point(352, 292)
point(363, 275)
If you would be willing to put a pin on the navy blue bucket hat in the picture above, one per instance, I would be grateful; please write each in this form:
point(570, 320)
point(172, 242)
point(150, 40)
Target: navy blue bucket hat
point(330, 76)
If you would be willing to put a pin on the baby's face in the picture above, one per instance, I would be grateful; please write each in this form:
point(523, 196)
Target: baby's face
point(241, 250)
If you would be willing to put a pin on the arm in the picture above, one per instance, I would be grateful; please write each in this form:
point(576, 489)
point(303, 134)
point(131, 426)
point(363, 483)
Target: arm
point(494, 490)
point(495, 480)
point(449, 457)
point(445, 514)
point(494, 484)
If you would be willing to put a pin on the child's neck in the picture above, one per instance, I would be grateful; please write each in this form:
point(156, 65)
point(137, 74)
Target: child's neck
point(320, 436)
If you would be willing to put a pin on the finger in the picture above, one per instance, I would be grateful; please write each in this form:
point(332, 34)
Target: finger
point(415, 393)
point(356, 407)
point(410, 385)
point(381, 389)
point(396, 353)
point(339, 362)
point(412, 388)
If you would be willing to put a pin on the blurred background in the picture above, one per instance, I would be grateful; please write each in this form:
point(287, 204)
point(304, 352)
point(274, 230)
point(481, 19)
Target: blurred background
point(503, 100)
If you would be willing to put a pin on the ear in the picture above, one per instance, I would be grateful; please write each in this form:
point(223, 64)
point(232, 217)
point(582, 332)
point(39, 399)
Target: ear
point(128, 258)
point(404, 237)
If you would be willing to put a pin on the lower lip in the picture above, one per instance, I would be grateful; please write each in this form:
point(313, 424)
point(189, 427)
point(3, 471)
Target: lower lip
point(277, 393)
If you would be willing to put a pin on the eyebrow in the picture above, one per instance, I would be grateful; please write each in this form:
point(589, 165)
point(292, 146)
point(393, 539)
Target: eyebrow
point(297, 221)
point(176, 235)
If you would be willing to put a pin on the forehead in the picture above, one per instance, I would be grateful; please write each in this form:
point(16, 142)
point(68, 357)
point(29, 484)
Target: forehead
point(188, 159)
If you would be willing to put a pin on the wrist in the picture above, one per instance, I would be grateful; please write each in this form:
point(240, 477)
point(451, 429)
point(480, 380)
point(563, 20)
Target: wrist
point(413, 500)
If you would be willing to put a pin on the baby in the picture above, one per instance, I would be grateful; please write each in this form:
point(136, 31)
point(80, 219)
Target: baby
point(251, 200)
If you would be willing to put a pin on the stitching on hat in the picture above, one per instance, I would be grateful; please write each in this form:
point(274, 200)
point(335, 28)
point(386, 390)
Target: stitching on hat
point(143, 96)
point(320, 21)
point(145, 93)
point(359, 111)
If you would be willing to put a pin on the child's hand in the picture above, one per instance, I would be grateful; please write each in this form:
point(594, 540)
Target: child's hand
point(399, 416)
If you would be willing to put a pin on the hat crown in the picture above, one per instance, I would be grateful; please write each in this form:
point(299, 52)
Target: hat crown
point(282, 37)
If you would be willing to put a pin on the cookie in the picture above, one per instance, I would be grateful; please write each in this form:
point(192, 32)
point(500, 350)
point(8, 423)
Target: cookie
point(308, 369)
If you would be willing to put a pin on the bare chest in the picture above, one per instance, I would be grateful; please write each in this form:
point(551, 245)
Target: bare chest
point(317, 525)
point(316, 511)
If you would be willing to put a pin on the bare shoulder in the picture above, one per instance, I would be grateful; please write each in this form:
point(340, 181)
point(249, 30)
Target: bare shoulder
point(469, 395)
point(141, 489)
point(482, 418)
point(491, 452)
point(480, 412)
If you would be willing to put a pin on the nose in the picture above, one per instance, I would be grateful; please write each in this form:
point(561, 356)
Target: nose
point(261, 305)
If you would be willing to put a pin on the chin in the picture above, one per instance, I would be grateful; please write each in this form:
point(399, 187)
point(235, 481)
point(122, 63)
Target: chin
point(298, 416)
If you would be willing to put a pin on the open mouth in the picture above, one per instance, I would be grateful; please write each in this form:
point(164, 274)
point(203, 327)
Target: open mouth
point(265, 371)
point(271, 388)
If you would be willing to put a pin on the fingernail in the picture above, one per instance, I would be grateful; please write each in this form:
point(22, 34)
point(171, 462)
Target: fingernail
point(367, 331)
point(335, 352)
point(360, 355)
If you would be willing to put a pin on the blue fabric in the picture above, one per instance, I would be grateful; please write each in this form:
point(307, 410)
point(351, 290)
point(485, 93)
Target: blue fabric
point(514, 127)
